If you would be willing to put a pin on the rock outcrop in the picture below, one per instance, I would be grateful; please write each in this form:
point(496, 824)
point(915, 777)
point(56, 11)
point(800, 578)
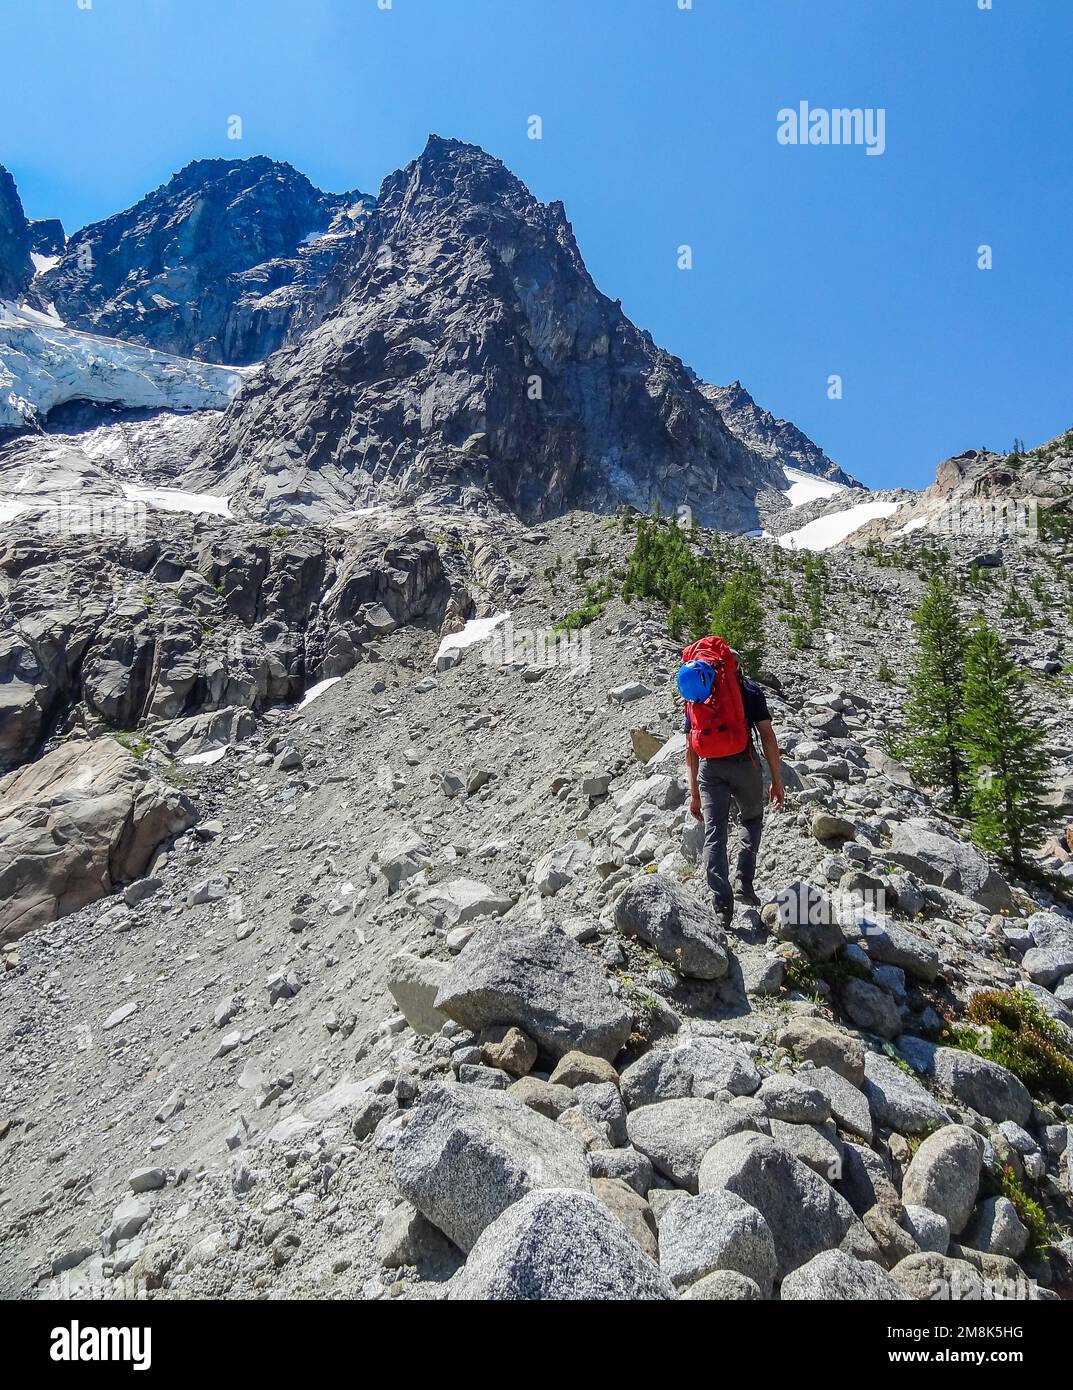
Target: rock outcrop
point(75, 824)
point(192, 617)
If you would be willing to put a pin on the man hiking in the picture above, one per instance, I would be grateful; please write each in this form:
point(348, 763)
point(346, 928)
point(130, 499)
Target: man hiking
point(722, 710)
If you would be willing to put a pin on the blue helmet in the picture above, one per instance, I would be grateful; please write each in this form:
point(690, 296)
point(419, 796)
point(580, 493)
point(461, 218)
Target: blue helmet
point(695, 681)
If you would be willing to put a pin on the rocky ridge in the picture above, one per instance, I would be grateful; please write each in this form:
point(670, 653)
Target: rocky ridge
point(780, 440)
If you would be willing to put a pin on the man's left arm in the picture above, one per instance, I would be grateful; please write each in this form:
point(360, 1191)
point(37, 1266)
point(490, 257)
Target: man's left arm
point(770, 745)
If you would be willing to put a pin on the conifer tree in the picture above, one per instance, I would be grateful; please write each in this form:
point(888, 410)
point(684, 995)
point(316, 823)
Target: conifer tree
point(1004, 749)
point(932, 747)
point(739, 618)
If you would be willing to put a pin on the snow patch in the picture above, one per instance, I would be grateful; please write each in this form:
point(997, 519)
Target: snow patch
point(476, 630)
point(806, 487)
point(43, 263)
point(173, 499)
point(827, 531)
point(315, 691)
point(10, 509)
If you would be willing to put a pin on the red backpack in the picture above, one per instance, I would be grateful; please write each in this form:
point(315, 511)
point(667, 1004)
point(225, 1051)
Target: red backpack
point(717, 728)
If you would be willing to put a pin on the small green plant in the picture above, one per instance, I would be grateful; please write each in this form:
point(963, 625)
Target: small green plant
point(799, 976)
point(133, 743)
point(597, 596)
point(898, 1060)
point(278, 533)
point(1028, 1210)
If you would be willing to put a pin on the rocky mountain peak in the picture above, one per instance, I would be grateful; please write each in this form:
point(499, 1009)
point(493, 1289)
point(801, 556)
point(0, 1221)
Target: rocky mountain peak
point(213, 264)
point(470, 350)
point(47, 237)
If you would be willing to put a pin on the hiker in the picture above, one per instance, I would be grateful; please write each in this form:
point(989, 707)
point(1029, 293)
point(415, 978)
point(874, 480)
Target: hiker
point(723, 707)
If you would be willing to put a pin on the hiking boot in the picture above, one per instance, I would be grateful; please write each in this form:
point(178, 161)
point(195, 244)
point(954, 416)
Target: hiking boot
point(724, 913)
point(747, 894)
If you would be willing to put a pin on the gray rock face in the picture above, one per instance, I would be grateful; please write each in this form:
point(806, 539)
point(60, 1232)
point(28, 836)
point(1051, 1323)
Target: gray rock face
point(677, 926)
point(847, 1104)
point(215, 264)
point(724, 1286)
point(16, 268)
point(716, 1231)
point(1051, 929)
point(807, 917)
point(930, 1230)
point(221, 618)
point(127, 1220)
point(866, 1179)
point(944, 1175)
point(542, 982)
point(836, 1277)
point(793, 1099)
point(47, 236)
point(951, 863)
point(676, 1134)
point(468, 1154)
point(805, 1215)
point(1048, 965)
point(559, 1246)
point(699, 1067)
point(80, 820)
point(976, 1081)
point(871, 1008)
point(399, 398)
point(898, 1102)
point(778, 440)
point(938, 1277)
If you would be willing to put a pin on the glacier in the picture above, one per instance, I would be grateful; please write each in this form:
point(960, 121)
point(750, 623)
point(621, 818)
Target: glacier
point(44, 364)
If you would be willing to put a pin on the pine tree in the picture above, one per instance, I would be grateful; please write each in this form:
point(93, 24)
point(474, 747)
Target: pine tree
point(1004, 749)
point(739, 618)
point(932, 748)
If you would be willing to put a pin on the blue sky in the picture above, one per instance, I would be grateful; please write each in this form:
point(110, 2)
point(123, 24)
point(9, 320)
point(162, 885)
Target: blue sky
point(659, 130)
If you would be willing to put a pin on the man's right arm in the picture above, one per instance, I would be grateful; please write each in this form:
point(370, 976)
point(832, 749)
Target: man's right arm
point(692, 765)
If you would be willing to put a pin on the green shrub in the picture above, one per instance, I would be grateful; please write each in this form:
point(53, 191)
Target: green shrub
point(1022, 1038)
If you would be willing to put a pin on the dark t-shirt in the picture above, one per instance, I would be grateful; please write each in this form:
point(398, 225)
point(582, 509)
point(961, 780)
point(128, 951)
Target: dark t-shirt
point(755, 702)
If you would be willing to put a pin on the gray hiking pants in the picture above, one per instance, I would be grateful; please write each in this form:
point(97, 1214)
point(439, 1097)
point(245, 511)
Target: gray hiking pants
point(721, 781)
